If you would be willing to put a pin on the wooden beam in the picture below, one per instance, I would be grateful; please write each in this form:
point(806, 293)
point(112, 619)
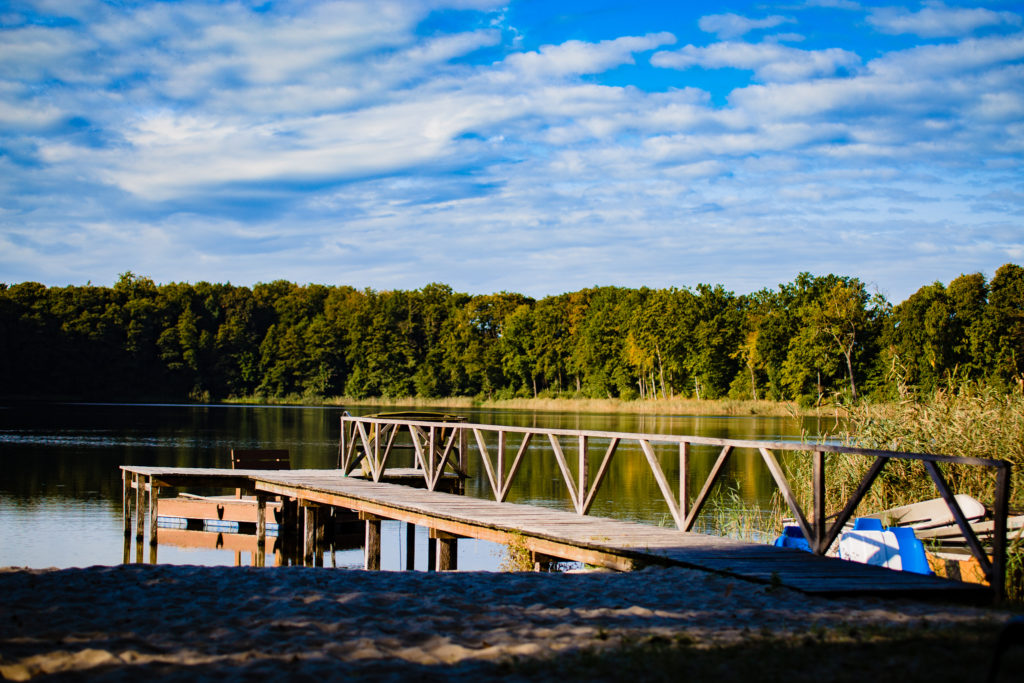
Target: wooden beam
point(851, 505)
point(961, 520)
point(126, 504)
point(787, 493)
point(260, 557)
point(515, 466)
point(684, 466)
point(582, 475)
point(818, 486)
point(705, 491)
point(447, 554)
point(699, 440)
point(372, 547)
point(499, 469)
point(140, 518)
point(997, 578)
point(666, 490)
point(602, 470)
point(593, 555)
point(309, 548)
point(563, 466)
point(485, 458)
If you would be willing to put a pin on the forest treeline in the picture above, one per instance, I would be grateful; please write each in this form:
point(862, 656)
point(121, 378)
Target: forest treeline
point(815, 338)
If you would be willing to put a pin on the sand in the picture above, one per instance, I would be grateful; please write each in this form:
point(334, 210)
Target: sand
point(142, 622)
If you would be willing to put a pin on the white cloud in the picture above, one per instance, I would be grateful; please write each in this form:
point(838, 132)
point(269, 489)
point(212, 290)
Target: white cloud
point(936, 20)
point(768, 61)
point(835, 4)
point(574, 57)
point(730, 25)
point(255, 145)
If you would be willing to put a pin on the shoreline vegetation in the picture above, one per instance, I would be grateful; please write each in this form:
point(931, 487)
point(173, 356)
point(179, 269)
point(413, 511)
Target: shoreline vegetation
point(671, 406)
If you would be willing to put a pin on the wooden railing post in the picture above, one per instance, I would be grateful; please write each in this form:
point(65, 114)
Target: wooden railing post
point(684, 461)
point(819, 503)
point(583, 474)
point(1001, 510)
point(154, 512)
point(140, 499)
point(126, 503)
point(341, 442)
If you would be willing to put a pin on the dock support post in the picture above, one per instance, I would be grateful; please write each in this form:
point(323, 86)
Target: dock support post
point(372, 546)
point(288, 536)
point(410, 546)
point(126, 503)
point(447, 550)
point(153, 512)
point(321, 518)
point(431, 554)
point(309, 537)
point(260, 559)
point(140, 520)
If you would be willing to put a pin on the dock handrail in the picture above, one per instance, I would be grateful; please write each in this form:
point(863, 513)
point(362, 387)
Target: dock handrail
point(441, 445)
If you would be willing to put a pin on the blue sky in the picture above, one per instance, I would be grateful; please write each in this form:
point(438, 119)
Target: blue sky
point(530, 146)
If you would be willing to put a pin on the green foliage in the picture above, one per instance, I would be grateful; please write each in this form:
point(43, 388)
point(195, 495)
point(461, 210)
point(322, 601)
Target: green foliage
point(812, 340)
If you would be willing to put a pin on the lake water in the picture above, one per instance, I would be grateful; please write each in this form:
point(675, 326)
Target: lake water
point(60, 486)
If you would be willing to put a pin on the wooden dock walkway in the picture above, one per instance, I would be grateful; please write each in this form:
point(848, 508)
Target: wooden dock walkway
point(616, 544)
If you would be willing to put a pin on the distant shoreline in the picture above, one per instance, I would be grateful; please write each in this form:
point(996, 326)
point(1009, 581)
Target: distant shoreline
point(671, 406)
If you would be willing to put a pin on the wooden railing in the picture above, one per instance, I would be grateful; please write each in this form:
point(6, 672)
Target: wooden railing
point(440, 446)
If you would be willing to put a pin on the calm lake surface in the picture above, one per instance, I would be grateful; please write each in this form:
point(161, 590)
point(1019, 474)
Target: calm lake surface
point(60, 486)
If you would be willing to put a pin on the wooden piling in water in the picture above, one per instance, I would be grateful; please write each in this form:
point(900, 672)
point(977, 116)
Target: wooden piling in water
point(140, 521)
point(260, 558)
point(309, 534)
point(447, 550)
point(153, 526)
point(126, 502)
point(371, 549)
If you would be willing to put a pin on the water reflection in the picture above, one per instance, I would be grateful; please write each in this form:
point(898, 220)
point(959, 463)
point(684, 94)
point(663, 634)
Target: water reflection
point(60, 486)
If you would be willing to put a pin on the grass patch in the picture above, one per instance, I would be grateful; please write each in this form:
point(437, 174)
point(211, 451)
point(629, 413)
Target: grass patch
point(726, 513)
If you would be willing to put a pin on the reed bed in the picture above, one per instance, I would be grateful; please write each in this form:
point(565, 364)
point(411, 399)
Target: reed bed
point(970, 420)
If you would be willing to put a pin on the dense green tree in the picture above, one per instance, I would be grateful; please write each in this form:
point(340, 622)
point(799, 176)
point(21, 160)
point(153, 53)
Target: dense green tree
point(807, 339)
point(1006, 322)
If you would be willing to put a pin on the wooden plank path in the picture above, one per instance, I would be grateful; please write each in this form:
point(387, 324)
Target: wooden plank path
point(612, 543)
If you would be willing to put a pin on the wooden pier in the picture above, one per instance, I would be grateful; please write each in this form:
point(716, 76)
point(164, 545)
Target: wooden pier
point(599, 541)
point(368, 489)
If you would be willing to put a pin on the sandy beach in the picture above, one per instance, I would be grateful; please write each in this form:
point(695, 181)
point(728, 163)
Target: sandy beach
point(186, 623)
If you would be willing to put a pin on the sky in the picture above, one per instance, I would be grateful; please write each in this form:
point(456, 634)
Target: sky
point(534, 146)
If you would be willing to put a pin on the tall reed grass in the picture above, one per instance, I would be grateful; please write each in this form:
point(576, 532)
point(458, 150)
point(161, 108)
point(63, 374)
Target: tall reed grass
point(967, 419)
point(970, 420)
